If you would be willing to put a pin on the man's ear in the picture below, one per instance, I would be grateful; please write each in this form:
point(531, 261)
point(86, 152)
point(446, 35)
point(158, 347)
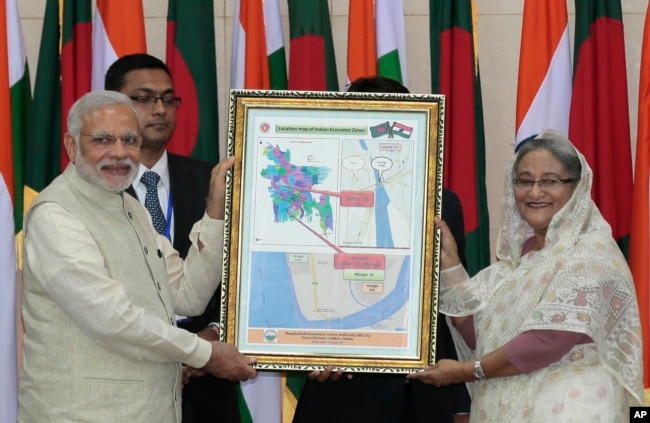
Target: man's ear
point(70, 146)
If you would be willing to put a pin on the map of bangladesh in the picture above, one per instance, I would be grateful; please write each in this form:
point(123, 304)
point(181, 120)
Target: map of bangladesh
point(290, 190)
point(331, 217)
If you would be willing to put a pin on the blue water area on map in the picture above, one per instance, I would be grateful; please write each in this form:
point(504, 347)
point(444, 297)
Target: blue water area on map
point(384, 232)
point(382, 220)
point(273, 301)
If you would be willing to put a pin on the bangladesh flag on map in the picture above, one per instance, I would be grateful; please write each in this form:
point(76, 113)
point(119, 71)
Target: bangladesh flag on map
point(402, 130)
point(381, 130)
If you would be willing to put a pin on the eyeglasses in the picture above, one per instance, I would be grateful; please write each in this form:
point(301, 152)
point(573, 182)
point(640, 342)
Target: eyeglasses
point(105, 141)
point(544, 184)
point(150, 100)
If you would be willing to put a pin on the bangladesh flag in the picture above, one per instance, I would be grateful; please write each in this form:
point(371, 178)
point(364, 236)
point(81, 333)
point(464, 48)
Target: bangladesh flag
point(76, 57)
point(455, 73)
point(312, 65)
point(192, 61)
point(381, 130)
point(599, 122)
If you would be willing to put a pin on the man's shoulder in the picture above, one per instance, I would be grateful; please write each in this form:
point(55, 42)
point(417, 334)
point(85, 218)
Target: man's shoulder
point(190, 162)
point(189, 175)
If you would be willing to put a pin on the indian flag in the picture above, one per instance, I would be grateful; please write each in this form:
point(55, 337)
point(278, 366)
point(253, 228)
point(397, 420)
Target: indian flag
point(8, 352)
point(402, 130)
point(544, 86)
point(639, 256)
point(258, 62)
point(391, 44)
point(118, 31)
point(362, 45)
point(376, 43)
point(258, 55)
point(15, 100)
point(15, 103)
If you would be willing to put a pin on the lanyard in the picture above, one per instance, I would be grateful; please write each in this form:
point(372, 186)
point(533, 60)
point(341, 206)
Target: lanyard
point(168, 223)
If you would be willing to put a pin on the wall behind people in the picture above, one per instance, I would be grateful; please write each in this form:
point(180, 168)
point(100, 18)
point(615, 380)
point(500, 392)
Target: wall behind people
point(499, 32)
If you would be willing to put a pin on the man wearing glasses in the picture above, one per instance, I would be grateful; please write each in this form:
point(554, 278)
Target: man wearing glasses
point(101, 286)
point(174, 189)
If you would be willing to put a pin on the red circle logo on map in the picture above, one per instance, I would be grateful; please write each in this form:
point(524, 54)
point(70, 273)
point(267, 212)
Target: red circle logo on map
point(265, 127)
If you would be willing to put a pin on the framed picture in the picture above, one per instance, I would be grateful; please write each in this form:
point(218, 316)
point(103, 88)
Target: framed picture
point(331, 253)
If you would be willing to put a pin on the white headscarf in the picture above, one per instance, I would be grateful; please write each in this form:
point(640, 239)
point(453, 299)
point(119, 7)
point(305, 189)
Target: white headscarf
point(578, 282)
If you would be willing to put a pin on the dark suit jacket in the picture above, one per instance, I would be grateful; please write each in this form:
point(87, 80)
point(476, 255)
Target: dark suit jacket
point(190, 183)
point(378, 398)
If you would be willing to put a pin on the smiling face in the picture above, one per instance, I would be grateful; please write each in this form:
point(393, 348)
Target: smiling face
point(109, 167)
point(536, 206)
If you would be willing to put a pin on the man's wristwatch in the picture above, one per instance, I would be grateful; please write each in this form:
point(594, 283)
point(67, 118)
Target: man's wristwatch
point(478, 370)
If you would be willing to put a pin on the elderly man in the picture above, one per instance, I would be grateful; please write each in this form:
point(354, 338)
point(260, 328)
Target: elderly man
point(182, 185)
point(102, 287)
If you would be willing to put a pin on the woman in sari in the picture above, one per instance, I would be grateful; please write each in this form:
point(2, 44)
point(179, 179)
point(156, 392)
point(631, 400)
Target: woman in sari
point(551, 331)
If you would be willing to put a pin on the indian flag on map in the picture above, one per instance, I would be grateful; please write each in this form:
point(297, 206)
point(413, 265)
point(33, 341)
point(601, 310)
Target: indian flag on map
point(401, 130)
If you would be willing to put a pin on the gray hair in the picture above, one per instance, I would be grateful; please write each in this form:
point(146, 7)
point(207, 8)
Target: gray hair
point(561, 148)
point(92, 101)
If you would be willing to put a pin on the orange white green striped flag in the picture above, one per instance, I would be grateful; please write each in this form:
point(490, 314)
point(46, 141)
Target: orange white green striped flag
point(544, 86)
point(8, 350)
point(15, 103)
point(391, 42)
point(639, 254)
point(258, 54)
point(258, 62)
point(362, 45)
point(118, 31)
point(7, 157)
point(15, 100)
point(376, 41)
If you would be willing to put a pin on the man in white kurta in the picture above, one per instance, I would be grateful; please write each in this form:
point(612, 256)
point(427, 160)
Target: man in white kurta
point(102, 287)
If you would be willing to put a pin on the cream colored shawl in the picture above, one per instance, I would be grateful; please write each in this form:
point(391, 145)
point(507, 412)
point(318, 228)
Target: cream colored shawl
point(578, 282)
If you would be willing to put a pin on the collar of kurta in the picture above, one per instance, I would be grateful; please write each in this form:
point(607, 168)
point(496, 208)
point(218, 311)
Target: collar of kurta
point(94, 193)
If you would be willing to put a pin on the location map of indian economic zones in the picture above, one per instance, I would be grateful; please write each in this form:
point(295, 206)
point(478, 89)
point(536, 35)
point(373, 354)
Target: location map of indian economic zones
point(331, 237)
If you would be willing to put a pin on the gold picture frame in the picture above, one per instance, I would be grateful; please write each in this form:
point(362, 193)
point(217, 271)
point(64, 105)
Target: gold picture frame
point(331, 255)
